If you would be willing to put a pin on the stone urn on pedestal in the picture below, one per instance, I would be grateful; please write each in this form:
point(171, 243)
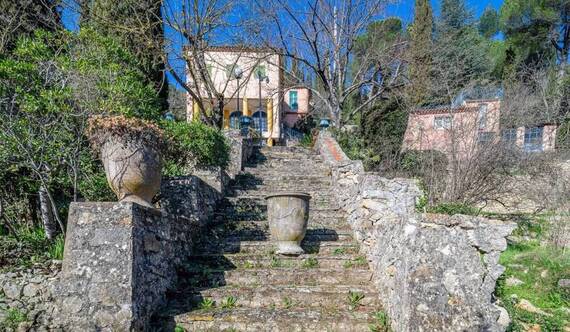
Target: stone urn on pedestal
point(288, 215)
point(130, 152)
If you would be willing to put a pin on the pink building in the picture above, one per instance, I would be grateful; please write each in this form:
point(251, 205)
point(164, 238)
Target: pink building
point(295, 105)
point(461, 130)
point(251, 81)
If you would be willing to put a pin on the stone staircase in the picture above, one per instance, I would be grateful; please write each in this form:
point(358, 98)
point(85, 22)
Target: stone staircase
point(235, 282)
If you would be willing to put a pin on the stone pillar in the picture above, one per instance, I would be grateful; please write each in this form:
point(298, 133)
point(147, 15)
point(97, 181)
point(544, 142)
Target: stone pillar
point(270, 121)
point(245, 108)
point(116, 267)
point(226, 119)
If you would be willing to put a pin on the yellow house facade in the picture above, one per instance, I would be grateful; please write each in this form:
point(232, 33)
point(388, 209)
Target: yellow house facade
point(251, 81)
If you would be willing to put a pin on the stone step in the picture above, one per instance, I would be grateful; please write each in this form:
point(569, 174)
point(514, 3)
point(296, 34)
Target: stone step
point(316, 184)
point(330, 297)
point(325, 217)
point(289, 178)
point(292, 149)
point(337, 226)
point(312, 235)
point(266, 247)
point(275, 320)
point(261, 202)
point(287, 154)
point(276, 276)
point(276, 169)
point(268, 260)
point(316, 195)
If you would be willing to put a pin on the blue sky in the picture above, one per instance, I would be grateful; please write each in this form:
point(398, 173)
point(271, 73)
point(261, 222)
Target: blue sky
point(404, 9)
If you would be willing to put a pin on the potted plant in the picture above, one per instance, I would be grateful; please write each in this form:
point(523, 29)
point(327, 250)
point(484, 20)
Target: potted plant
point(288, 215)
point(130, 151)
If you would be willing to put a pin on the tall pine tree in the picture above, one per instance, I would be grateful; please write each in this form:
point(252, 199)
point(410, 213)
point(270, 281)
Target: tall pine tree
point(137, 24)
point(460, 58)
point(420, 52)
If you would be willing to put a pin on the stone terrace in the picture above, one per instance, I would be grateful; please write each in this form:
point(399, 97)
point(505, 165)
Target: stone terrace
point(328, 288)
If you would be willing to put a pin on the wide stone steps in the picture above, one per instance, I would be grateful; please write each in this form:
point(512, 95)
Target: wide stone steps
point(254, 277)
point(279, 319)
point(326, 289)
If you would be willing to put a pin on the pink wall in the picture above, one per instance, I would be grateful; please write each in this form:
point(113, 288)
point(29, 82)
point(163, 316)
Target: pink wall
point(549, 137)
point(290, 116)
point(461, 139)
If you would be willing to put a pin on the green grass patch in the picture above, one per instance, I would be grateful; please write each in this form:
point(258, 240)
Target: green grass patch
point(310, 263)
point(354, 299)
point(27, 248)
point(13, 318)
point(229, 302)
point(381, 322)
point(539, 268)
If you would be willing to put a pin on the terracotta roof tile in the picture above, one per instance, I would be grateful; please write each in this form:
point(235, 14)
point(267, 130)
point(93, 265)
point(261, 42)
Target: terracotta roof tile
point(444, 110)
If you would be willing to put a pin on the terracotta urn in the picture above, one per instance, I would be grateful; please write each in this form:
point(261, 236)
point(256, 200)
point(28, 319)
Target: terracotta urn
point(133, 169)
point(288, 215)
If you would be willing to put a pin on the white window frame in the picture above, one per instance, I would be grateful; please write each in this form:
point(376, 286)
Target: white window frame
point(482, 117)
point(442, 122)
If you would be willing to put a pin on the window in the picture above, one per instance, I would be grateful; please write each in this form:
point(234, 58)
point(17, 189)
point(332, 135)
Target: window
point(260, 72)
point(533, 139)
point(234, 120)
point(293, 102)
point(485, 137)
point(482, 119)
point(442, 122)
point(231, 70)
point(260, 121)
point(509, 136)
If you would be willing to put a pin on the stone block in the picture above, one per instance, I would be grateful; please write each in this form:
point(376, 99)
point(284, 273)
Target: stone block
point(189, 198)
point(117, 266)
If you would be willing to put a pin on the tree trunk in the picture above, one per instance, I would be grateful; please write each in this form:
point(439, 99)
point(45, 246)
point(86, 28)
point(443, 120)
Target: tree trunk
point(48, 221)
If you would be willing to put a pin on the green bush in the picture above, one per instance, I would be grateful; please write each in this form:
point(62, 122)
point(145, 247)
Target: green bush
point(193, 144)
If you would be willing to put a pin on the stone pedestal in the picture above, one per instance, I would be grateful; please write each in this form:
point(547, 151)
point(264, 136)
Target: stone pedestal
point(116, 268)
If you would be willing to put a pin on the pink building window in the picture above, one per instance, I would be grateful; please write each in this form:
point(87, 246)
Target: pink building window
point(293, 100)
point(509, 136)
point(442, 122)
point(533, 139)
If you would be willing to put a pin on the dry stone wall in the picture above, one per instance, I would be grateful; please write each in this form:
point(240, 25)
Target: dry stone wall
point(433, 272)
point(30, 292)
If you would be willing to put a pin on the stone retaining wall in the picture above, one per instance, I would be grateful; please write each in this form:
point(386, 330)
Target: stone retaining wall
point(433, 272)
point(121, 258)
point(29, 292)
